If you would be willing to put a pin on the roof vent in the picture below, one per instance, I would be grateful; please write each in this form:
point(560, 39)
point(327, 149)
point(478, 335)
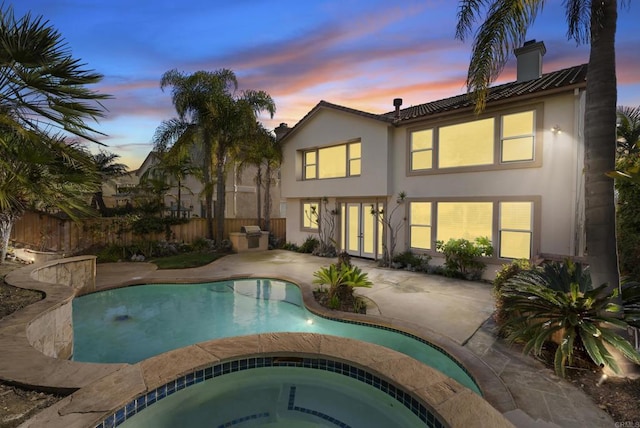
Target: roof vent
point(529, 59)
point(397, 102)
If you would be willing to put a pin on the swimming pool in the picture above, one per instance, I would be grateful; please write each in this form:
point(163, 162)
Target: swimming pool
point(134, 323)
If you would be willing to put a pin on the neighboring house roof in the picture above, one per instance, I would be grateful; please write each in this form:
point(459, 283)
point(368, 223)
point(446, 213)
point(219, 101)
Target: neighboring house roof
point(561, 80)
point(327, 105)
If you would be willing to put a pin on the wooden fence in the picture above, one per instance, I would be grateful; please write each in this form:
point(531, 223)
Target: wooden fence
point(49, 233)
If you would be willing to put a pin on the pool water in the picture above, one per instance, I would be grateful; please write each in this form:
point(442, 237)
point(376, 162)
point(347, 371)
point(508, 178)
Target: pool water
point(128, 325)
point(278, 396)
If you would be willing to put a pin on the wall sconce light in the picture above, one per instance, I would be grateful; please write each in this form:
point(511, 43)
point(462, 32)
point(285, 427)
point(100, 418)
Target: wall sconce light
point(556, 129)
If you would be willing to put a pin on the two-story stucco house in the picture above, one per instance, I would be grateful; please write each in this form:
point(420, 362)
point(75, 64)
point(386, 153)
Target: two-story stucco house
point(512, 173)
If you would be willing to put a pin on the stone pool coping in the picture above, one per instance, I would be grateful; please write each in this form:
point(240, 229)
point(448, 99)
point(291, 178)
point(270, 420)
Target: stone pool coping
point(26, 366)
point(452, 403)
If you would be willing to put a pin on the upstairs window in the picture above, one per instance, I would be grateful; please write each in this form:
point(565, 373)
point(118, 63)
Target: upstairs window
point(310, 163)
point(489, 143)
point(339, 161)
point(466, 144)
point(517, 137)
point(422, 150)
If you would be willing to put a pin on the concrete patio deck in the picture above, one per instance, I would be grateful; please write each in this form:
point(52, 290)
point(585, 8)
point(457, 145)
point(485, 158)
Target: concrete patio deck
point(452, 314)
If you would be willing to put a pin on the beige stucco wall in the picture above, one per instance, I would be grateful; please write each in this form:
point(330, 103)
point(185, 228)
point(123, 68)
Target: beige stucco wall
point(325, 128)
point(555, 186)
point(556, 183)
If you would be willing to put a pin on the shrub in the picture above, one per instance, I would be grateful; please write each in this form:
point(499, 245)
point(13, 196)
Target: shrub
point(203, 244)
point(408, 260)
point(344, 259)
point(631, 302)
point(112, 253)
point(341, 281)
point(461, 256)
point(505, 274)
point(309, 244)
point(290, 246)
point(582, 317)
point(628, 220)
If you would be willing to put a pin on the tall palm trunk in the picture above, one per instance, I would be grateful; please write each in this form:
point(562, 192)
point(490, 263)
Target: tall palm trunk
point(98, 203)
point(220, 191)
point(259, 195)
point(600, 137)
point(208, 189)
point(267, 197)
point(7, 219)
point(179, 197)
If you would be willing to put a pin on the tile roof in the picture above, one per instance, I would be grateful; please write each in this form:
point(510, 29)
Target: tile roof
point(560, 80)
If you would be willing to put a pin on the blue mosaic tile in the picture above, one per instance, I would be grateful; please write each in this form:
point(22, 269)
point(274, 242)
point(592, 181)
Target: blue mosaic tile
point(190, 379)
point(119, 416)
point(110, 421)
point(161, 392)
point(130, 409)
point(405, 398)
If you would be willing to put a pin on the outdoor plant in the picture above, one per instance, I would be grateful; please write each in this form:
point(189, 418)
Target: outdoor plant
point(462, 256)
point(391, 227)
point(341, 281)
point(631, 302)
point(557, 303)
point(410, 261)
point(326, 222)
point(309, 245)
point(506, 273)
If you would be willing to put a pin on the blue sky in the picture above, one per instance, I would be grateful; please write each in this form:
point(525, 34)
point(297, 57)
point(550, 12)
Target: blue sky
point(357, 53)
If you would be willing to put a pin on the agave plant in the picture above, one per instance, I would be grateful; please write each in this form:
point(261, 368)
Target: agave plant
point(341, 280)
point(631, 302)
point(583, 317)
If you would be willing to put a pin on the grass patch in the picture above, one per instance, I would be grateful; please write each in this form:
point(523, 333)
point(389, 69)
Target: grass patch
point(186, 260)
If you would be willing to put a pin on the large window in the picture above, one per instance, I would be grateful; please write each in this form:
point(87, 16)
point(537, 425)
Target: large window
point(468, 220)
point(487, 143)
point(516, 227)
point(466, 144)
point(310, 215)
point(422, 149)
point(507, 224)
point(420, 225)
point(517, 137)
point(343, 160)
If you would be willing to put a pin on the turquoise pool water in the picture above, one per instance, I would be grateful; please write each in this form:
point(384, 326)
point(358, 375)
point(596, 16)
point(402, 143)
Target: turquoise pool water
point(130, 324)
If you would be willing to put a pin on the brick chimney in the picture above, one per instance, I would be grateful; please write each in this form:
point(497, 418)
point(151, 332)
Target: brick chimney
point(529, 59)
point(281, 130)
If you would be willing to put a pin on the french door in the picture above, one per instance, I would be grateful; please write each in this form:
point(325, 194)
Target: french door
point(359, 231)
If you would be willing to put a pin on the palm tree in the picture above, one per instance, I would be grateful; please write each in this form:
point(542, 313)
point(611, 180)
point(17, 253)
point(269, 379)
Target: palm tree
point(594, 22)
point(32, 178)
point(273, 159)
point(42, 90)
point(41, 85)
point(628, 129)
point(258, 151)
point(213, 113)
point(108, 170)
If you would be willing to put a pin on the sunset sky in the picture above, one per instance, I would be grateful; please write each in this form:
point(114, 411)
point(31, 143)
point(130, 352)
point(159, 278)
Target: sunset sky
point(356, 53)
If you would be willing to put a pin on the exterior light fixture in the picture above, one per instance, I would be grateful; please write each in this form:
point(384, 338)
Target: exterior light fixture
point(556, 129)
